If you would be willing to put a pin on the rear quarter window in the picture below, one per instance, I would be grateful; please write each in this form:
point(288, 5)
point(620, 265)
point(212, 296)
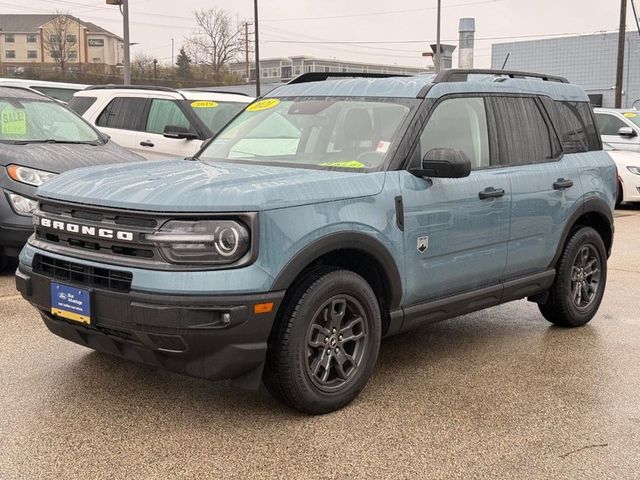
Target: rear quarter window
point(124, 113)
point(81, 104)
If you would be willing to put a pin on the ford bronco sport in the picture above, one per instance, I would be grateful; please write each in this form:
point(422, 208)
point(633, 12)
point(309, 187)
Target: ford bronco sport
point(341, 209)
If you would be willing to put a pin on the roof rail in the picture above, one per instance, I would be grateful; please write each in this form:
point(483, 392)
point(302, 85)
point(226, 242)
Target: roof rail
point(207, 90)
point(460, 75)
point(130, 87)
point(322, 76)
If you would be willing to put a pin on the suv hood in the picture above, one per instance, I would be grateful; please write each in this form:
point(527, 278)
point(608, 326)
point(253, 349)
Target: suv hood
point(195, 186)
point(60, 157)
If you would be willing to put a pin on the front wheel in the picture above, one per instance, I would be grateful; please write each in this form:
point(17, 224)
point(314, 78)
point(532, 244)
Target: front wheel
point(581, 276)
point(325, 344)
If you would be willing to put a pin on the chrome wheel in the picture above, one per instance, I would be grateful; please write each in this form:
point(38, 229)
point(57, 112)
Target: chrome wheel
point(585, 276)
point(336, 343)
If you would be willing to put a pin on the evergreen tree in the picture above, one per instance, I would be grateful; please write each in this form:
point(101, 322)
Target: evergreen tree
point(183, 62)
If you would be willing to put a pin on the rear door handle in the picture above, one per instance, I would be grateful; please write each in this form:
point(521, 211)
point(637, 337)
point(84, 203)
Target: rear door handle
point(147, 144)
point(562, 183)
point(491, 192)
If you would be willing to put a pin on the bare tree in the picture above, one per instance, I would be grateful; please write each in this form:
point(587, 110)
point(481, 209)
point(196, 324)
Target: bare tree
point(60, 39)
point(218, 40)
point(142, 66)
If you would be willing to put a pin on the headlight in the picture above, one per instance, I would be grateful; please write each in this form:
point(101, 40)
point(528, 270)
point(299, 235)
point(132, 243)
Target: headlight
point(206, 241)
point(22, 205)
point(27, 175)
point(635, 170)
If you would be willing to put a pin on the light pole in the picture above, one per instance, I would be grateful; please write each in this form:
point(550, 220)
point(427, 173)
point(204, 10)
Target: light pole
point(124, 10)
point(257, 41)
point(438, 37)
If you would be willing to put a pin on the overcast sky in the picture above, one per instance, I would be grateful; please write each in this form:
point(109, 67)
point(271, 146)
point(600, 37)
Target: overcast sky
point(155, 22)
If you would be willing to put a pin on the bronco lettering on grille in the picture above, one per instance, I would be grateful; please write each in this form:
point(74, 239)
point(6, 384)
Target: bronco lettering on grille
point(87, 230)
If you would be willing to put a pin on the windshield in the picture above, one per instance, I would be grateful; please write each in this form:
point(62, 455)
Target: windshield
point(215, 115)
point(634, 117)
point(320, 132)
point(24, 121)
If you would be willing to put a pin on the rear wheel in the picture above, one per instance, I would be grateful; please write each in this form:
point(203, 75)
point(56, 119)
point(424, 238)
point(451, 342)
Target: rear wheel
point(325, 345)
point(581, 276)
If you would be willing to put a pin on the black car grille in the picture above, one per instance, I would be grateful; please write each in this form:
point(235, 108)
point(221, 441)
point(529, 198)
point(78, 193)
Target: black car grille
point(86, 275)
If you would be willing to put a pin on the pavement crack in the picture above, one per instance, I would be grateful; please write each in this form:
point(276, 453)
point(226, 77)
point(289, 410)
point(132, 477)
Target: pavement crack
point(586, 447)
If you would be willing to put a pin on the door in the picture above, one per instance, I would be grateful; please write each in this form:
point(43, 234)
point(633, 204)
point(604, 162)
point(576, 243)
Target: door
point(455, 241)
point(545, 185)
point(122, 119)
point(151, 141)
point(610, 123)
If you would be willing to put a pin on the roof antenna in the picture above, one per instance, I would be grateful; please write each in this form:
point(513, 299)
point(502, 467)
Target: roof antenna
point(506, 60)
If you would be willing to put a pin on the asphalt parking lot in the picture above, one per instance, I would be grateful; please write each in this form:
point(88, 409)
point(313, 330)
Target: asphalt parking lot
point(496, 394)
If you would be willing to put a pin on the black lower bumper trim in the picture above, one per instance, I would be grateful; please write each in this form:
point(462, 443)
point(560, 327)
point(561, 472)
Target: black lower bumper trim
point(216, 337)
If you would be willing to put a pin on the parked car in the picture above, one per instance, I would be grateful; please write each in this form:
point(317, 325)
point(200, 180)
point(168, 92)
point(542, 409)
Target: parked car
point(628, 164)
point(333, 213)
point(157, 122)
point(63, 92)
point(40, 138)
point(619, 128)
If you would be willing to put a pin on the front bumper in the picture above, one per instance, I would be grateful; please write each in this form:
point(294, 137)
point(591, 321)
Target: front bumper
point(184, 334)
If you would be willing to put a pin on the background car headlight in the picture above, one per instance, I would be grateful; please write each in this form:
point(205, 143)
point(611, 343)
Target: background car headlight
point(22, 205)
point(206, 241)
point(635, 170)
point(27, 175)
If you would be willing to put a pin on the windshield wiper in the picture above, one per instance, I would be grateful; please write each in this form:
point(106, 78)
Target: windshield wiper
point(51, 140)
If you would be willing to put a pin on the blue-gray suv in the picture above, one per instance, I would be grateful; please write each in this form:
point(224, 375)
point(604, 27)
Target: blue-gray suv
point(341, 209)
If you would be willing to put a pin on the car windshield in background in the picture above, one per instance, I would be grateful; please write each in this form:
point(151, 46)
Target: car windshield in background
point(215, 115)
point(633, 116)
point(327, 132)
point(32, 121)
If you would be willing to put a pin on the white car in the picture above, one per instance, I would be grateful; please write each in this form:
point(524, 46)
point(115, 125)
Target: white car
point(619, 128)
point(158, 122)
point(62, 92)
point(628, 164)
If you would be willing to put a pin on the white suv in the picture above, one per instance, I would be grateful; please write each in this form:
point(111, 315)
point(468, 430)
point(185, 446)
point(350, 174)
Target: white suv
point(158, 122)
point(619, 128)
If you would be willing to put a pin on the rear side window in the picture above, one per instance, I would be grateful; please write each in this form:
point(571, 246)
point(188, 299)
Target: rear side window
point(459, 123)
point(125, 113)
point(522, 133)
point(81, 104)
point(164, 113)
point(576, 127)
point(609, 124)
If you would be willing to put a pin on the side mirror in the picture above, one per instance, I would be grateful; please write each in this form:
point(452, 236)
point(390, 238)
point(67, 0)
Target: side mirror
point(444, 163)
point(627, 132)
point(179, 132)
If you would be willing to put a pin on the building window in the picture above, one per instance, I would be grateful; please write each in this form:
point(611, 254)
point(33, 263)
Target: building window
point(10, 54)
point(9, 38)
point(308, 68)
point(32, 54)
point(54, 38)
point(343, 68)
point(296, 70)
point(71, 39)
point(73, 55)
point(327, 69)
point(265, 72)
point(32, 38)
point(275, 72)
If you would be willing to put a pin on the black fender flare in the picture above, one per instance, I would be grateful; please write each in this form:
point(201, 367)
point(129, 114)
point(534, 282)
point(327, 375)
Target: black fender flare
point(592, 205)
point(340, 241)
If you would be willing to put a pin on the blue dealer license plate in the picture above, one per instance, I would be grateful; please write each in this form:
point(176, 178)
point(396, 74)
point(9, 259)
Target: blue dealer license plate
point(71, 303)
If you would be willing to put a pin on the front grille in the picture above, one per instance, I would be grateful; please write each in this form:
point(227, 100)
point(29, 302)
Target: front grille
point(86, 275)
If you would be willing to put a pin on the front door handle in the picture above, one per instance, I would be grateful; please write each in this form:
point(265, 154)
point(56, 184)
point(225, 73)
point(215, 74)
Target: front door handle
point(147, 144)
point(491, 192)
point(562, 183)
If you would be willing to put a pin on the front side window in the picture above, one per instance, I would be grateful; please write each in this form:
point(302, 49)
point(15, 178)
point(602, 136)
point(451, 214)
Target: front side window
point(522, 134)
point(39, 121)
point(164, 113)
point(609, 124)
point(461, 124)
point(320, 132)
point(125, 113)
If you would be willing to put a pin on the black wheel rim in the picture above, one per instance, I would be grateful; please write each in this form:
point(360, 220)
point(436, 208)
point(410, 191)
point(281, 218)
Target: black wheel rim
point(585, 276)
point(336, 343)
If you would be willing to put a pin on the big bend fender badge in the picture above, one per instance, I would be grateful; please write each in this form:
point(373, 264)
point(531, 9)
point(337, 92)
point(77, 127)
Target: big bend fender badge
point(423, 244)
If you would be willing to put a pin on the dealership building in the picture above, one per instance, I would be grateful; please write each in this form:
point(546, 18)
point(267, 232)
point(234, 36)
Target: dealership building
point(586, 60)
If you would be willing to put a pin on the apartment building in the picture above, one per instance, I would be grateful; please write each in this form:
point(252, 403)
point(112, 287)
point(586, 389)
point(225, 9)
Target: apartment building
point(30, 40)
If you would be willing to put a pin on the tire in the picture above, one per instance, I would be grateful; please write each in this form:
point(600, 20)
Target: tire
point(4, 262)
point(620, 195)
point(584, 257)
point(308, 366)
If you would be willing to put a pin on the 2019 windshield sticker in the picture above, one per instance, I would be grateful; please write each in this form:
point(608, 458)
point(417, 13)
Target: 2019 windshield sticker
point(204, 104)
point(265, 104)
point(13, 121)
point(349, 164)
point(630, 114)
